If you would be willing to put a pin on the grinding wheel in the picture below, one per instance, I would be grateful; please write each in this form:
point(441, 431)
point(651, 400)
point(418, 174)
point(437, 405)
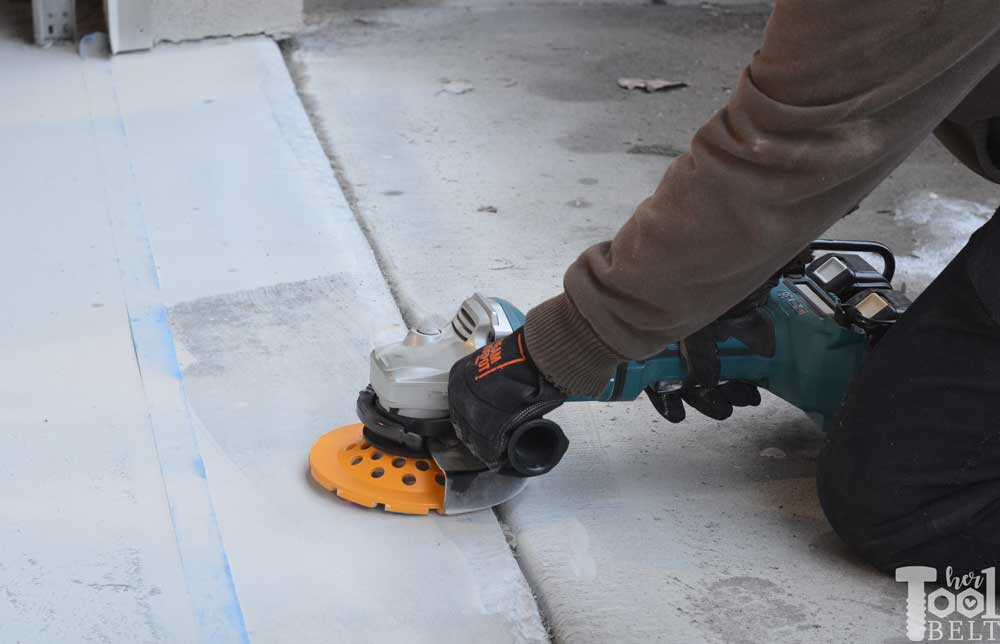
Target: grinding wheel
point(343, 461)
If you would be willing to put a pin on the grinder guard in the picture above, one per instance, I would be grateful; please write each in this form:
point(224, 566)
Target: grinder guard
point(404, 416)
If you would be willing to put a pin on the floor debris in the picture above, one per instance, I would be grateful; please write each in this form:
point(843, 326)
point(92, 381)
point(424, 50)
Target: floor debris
point(650, 85)
point(456, 87)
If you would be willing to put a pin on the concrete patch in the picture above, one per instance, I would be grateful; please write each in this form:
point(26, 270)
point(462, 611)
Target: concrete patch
point(272, 369)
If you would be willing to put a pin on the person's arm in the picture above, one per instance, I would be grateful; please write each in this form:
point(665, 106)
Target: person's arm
point(840, 93)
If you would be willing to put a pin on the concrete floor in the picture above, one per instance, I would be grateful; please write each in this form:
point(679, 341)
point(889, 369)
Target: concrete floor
point(190, 304)
point(154, 481)
point(436, 113)
point(543, 133)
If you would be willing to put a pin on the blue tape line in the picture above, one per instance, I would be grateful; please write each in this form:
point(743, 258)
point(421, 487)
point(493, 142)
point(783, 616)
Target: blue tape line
point(207, 572)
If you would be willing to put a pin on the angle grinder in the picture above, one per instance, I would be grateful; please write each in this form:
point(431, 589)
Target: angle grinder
point(829, 307)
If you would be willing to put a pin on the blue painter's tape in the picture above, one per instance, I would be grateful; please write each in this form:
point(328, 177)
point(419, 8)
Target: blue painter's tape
point(199, 468)
point(158, 346)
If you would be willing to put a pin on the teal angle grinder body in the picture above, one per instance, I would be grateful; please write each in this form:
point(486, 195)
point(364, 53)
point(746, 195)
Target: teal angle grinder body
point(812, 363)
point(822, 318)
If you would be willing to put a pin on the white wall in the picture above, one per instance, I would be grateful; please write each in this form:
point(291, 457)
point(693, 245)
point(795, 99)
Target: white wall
point(188, 19)
point(139, 24)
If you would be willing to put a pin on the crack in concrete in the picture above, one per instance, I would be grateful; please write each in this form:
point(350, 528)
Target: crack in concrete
point(511, 539)
point(410, 311)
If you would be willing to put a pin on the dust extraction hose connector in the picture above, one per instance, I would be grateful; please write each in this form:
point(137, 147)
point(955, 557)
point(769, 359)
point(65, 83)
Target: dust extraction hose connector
point(535, 448)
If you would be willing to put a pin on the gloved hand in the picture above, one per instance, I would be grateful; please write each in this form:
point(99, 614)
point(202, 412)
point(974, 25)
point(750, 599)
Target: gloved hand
point(496, 391)
point(699, 351)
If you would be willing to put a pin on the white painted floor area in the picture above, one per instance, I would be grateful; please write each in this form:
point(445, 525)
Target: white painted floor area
point(154, 484)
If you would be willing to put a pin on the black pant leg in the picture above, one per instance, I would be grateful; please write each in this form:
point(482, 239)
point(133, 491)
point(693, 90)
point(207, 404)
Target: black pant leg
point(910, 473)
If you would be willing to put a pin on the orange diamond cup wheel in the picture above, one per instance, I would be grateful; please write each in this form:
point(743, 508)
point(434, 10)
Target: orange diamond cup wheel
point(342, 461)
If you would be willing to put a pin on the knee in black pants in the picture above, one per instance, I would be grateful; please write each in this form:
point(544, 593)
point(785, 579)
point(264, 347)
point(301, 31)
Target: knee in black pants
point(910, 474)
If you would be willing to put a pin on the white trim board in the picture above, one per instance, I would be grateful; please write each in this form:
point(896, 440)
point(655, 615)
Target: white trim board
point(129, 24)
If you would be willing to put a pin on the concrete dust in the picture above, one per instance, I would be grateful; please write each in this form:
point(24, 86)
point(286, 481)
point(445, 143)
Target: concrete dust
point(940, 226)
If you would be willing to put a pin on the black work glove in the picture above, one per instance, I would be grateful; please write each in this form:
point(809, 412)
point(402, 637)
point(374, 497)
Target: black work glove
point(699, 351)
point(498, 392)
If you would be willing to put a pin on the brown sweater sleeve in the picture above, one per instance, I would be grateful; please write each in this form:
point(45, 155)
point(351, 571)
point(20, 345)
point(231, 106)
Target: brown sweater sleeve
point(840, 93)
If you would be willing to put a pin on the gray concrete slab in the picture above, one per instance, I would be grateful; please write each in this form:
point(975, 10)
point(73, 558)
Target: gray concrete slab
point(542, 132)
point(485, 146)
point(155, 485)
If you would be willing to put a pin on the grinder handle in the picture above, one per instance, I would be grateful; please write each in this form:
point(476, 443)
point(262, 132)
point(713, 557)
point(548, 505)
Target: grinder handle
point(535, 447)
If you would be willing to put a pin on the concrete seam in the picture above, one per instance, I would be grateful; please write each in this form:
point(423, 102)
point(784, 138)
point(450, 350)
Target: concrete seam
point(411, 312)
point(408, 308)
point(511, 539)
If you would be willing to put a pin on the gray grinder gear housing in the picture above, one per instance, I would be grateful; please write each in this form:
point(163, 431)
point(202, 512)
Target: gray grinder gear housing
point(405, 407)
